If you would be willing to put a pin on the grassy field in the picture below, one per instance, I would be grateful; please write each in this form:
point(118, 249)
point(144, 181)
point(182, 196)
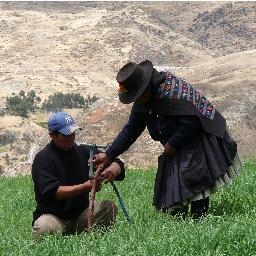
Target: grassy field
point(229, 229)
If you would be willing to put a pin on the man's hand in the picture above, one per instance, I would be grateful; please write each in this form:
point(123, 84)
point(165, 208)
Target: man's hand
point(98, 184)
point(169, 150)
point(110, 173)
point(100, 158)
point(66, 192)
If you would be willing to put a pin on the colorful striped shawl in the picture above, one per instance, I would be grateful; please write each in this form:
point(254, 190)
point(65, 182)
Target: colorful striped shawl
point(176, 88)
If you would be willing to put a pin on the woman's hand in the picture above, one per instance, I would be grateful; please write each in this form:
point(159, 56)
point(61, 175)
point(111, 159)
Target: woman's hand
point(169, 150)
point(110, 173)
point(100, 158)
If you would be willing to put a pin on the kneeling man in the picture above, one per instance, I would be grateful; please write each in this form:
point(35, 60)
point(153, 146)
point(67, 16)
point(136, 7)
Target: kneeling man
point(61, 182)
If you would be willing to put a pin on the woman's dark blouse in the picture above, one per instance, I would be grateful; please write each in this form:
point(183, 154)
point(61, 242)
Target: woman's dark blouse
point(177, 130)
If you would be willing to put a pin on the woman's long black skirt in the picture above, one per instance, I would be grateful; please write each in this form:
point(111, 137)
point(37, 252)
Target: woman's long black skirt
point(196, 170)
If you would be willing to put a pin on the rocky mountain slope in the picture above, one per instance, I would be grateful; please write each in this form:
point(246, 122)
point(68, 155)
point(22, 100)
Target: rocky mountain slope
point(221, 27)
point(79, 46)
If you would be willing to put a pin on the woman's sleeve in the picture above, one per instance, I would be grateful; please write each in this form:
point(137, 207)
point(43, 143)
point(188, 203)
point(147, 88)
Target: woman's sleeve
point(188, 127)
point(121, 176)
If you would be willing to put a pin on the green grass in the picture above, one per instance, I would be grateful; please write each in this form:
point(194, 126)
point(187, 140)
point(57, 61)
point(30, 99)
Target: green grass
point(229, 229)
point(42, 124)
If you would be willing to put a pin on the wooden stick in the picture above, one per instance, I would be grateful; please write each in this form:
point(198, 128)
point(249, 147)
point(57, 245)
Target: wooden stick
point(92, 197)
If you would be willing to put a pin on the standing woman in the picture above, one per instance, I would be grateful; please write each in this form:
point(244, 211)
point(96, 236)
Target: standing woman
point(199, 155)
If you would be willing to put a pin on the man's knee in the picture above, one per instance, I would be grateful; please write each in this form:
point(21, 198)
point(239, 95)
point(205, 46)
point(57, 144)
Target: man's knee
point(110, 208)
point(46, 224)
point(104, 215)
point(106, 211)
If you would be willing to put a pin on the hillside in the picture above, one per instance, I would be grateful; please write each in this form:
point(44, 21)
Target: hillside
point(221, 27)
point(79, 46)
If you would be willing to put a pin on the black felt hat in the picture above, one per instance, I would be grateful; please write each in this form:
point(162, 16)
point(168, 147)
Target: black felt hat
point(133, 79)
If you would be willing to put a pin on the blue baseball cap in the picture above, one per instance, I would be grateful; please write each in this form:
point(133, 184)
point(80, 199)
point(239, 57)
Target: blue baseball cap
point(63, 123)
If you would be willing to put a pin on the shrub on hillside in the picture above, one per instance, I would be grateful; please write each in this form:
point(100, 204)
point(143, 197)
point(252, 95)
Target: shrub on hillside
point(2, 112)
point(22, 103)
point(7, 138)
point(58, 101)
point(90, 100)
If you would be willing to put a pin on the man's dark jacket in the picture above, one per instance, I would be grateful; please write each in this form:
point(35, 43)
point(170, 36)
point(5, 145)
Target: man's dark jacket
point(53, 167)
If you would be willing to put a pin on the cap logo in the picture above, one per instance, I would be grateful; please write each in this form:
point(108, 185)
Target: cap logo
point(68, 119)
